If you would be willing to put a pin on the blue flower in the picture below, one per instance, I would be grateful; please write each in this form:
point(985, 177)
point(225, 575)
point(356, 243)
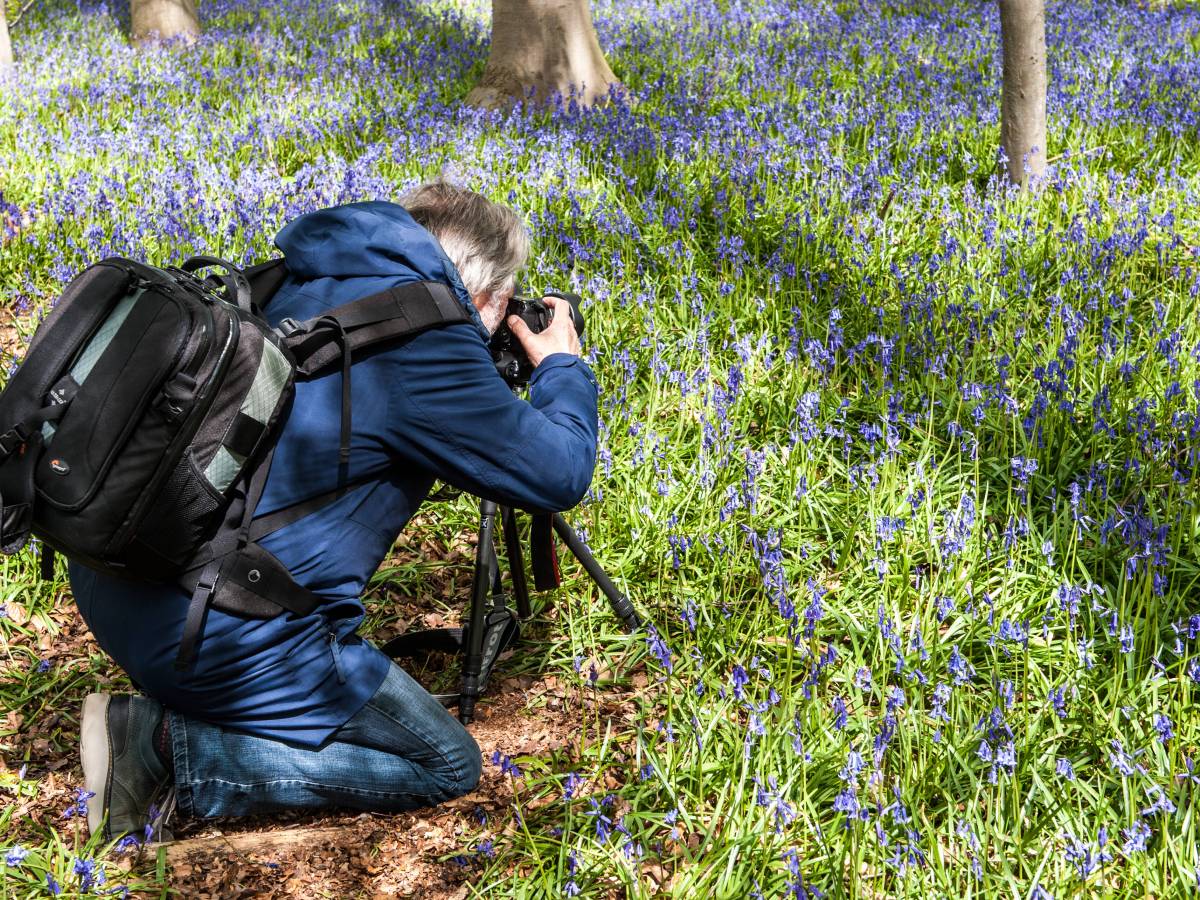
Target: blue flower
point(598, 812)
point(507, 766)
point(739, 679)
point(15, 855)
point(960, 670)
point(78, 806)
point(1086, 859)
point(658, 647)
point(1137, 837)
point(840, 716)
point(1162, 724)
point(88, 873)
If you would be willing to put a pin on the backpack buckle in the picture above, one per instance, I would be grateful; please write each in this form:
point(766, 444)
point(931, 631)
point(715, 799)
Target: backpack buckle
point(12, 440)
point(288, 327)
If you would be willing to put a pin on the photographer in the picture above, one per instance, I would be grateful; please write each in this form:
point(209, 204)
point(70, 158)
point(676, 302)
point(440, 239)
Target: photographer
point(300, 711)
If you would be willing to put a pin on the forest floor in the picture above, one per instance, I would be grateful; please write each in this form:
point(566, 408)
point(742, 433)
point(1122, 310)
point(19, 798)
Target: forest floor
point(420, 855)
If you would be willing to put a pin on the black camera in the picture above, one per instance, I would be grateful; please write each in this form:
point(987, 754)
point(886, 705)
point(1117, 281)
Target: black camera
point(511, 360)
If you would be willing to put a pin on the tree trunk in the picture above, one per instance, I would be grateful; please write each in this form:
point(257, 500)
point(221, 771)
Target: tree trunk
point(160, 20)
point(542, 47)
point(1023, 102)
point(6, 54)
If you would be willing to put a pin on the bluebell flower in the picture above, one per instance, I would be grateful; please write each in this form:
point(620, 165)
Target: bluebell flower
point(602, 821)
point(1084, 857)
point(847, 802)
point(1137, 837)
point(1161, 803)
point(507, 766)
point(658, 647)
point(571, 785)
point(796, 886)
point(1162, 725)
point(944, 606)
point(78, 806)
point(840, 716)
point(961, 671)
point(1191, 774)
point(739, 679)
point(1126, 639)
point(862, 679)
point(88, 873)
point(1058, 701)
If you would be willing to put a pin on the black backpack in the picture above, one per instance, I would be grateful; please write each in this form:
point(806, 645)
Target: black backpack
point(137, 434)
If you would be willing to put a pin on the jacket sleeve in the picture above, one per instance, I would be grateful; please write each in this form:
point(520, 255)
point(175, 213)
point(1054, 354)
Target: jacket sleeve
point(452, 413)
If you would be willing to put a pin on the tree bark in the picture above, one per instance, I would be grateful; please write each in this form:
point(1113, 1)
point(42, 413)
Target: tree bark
point(541, 47)
point(1023, 101)
point(160, 20)
point(6, 54)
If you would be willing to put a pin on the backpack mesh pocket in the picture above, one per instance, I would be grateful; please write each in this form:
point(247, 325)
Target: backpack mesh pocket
point(183, 517)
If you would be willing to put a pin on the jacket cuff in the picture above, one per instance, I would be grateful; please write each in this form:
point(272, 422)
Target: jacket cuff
point(563, 360)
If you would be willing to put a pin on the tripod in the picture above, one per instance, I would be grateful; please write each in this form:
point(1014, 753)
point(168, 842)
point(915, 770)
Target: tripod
point(492, 625)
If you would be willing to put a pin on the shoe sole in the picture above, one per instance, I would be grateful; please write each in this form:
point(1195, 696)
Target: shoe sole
point(96, 756)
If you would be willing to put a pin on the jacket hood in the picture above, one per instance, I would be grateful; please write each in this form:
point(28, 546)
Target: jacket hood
point(371, 239)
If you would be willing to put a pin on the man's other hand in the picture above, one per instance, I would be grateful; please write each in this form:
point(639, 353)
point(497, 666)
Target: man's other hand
point(558, 337)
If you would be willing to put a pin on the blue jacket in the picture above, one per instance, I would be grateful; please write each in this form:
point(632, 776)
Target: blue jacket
point(430, 406)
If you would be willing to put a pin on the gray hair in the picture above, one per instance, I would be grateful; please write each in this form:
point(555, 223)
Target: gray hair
point(486, 241)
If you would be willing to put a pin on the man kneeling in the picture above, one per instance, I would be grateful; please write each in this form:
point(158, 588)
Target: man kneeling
point(300, 711)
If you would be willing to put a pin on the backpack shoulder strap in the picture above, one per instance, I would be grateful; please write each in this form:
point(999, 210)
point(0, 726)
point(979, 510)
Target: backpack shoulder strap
point(389, 314)
point(265, 279)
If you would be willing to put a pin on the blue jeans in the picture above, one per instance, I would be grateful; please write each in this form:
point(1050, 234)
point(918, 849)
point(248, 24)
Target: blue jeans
point(401, 751)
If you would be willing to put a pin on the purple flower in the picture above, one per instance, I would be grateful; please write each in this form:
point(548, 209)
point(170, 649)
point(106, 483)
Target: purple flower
point(1058, 701)
point(507, 766)
point(1137, 837)
point(961, 671)
point(840, 716)
point(1086, 859)
point(1162, 724)
point(739, 679)
point(88, 873)
point(598, 813)
point(658, 647)
point(78, 806)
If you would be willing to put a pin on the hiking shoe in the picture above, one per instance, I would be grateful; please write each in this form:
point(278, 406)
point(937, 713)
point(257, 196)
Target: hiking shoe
point(130, 785)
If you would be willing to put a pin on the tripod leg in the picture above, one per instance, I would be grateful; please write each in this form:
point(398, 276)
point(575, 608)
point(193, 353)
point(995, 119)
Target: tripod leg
point(619, 602)
point(485, 566)
point(516, 560)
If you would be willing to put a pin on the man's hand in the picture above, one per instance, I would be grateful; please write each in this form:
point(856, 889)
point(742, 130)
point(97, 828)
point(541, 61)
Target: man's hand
point(558, 337)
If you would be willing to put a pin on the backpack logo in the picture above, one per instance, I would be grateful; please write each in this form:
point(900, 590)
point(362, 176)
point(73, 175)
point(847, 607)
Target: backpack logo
point(59, 467)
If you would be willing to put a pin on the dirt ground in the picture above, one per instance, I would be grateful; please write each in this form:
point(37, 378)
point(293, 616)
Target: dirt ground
point(411, 855)
point(423, 854)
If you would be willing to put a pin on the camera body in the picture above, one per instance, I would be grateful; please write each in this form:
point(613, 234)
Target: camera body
point(509, 356)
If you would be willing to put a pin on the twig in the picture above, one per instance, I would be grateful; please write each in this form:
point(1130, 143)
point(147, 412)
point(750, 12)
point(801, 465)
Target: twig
point(1080, 153)
point(245, 842)
point(24, 9)
point(888, 202)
